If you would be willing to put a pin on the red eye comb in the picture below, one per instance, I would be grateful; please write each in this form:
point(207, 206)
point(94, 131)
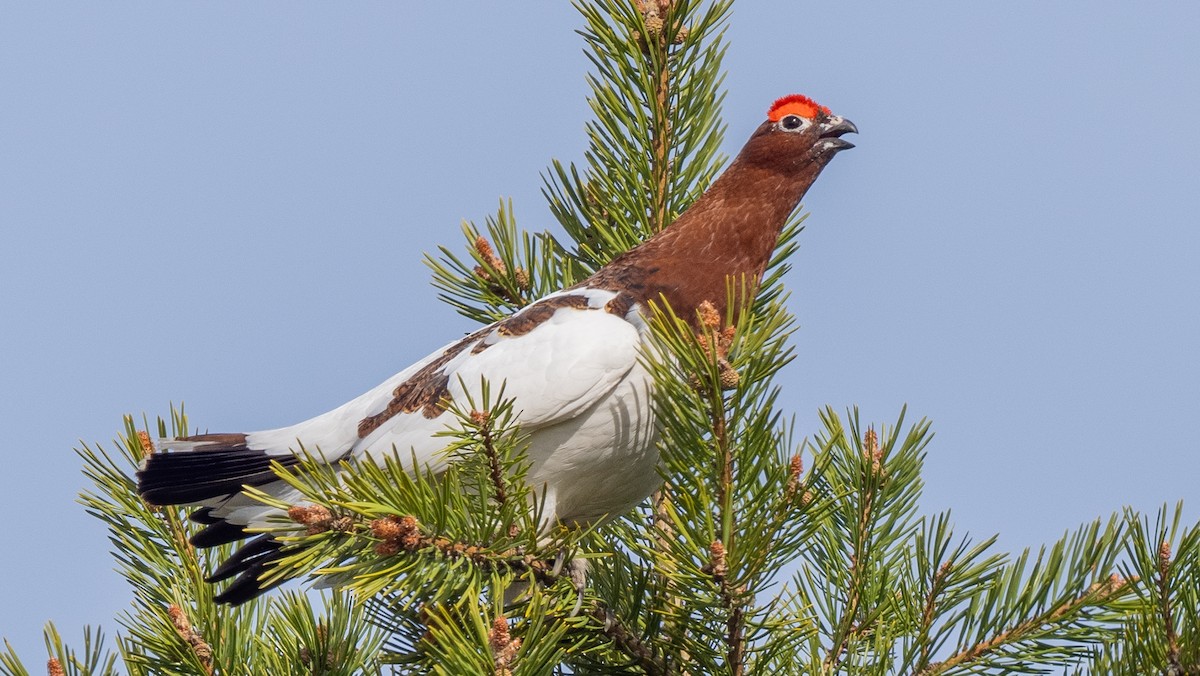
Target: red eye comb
point(795, 104)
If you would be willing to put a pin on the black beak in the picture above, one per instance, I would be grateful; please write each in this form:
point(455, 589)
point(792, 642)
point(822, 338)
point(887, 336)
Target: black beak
point(833, 130)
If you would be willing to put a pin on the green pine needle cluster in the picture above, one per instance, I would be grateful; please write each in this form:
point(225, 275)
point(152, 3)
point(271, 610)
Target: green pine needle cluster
point(654, 143)
point(504, 269)
point(172, 625)
point(762, 553)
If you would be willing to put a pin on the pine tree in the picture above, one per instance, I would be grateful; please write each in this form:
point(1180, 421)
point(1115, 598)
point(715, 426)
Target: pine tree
point(760, 553)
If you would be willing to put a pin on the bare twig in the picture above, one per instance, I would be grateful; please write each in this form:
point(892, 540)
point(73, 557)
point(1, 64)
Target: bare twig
point(628, 642)
point(847, 627)
point(184, 628)
point(927, 616)
point(657, 15)
point(482, 421)
point(1164, 603)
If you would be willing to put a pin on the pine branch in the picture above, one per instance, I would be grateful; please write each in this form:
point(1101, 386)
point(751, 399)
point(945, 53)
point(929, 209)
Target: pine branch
point(200, 648)
point(715, 342)
point(656, 42)
point(504, 268)
point(857, 553)
point(1162, 612)
point(1033, 628)
point(94, 660)
point(1063, 594)
point(380, 525)
point(849, 629)
point(1163, 584)
point(628, 642)
point(653, 146)
point(732, 472)
point(173, 625)
point(936, 588)
point(946, 576)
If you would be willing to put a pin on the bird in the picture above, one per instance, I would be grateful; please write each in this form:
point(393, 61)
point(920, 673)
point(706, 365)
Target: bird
point(568, 361)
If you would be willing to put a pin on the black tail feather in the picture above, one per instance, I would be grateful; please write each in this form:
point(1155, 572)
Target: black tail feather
point(248, 563)
point(261, 549)
point(204, 516)
point(220, 467)
point(246, 588)
point(182, 477)
point(218, 533)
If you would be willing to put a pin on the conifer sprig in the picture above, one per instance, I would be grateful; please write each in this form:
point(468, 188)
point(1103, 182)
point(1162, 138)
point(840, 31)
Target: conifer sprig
point(653, 148)
point(1043, 611)
point(505, 268)
point(654, 143)
point(733, 504)
point(93, 660)
point(946, 573)
point(377, 511)
point(173, 626)
point(426, 542)
point(1161, 611)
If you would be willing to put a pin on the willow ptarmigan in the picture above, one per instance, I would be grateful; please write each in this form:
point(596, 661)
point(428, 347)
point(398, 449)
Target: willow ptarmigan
point(569, 361)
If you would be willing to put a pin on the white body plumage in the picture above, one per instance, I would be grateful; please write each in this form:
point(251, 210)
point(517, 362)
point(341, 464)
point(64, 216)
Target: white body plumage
point(579, 392)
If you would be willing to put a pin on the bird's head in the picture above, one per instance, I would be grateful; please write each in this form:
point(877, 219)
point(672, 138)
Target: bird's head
point(798, 132)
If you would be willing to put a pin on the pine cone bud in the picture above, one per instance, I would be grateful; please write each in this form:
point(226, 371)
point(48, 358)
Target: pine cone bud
point(708, 315)
point(729, 377)
point(317, 518)
point(145, 442)
point(717, 567)
point(504, 647)
point(397, 533)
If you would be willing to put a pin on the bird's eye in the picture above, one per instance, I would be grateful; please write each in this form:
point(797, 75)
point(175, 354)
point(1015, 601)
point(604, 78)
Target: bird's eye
point(792, 123)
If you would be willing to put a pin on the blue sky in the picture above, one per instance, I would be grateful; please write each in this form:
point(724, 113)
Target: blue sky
point(227, 205)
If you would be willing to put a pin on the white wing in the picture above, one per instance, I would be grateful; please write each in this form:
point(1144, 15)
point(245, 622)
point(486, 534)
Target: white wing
point(556, 370)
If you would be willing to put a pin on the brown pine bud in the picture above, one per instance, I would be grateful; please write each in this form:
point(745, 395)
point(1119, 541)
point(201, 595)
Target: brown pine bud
point(397, 533)
point(872, 452)
point(183, 627)
point(145, 442)
point(485, 251)
point(1164, 558)
point(795, 469)
point(317, 518)
point(504, 646)
point(717, 566)
point(484, 248)
point(708, 315)
point(729, 377)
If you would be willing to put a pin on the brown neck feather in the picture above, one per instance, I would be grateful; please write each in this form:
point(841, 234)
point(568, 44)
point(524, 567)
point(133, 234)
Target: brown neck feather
point(730, 232)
